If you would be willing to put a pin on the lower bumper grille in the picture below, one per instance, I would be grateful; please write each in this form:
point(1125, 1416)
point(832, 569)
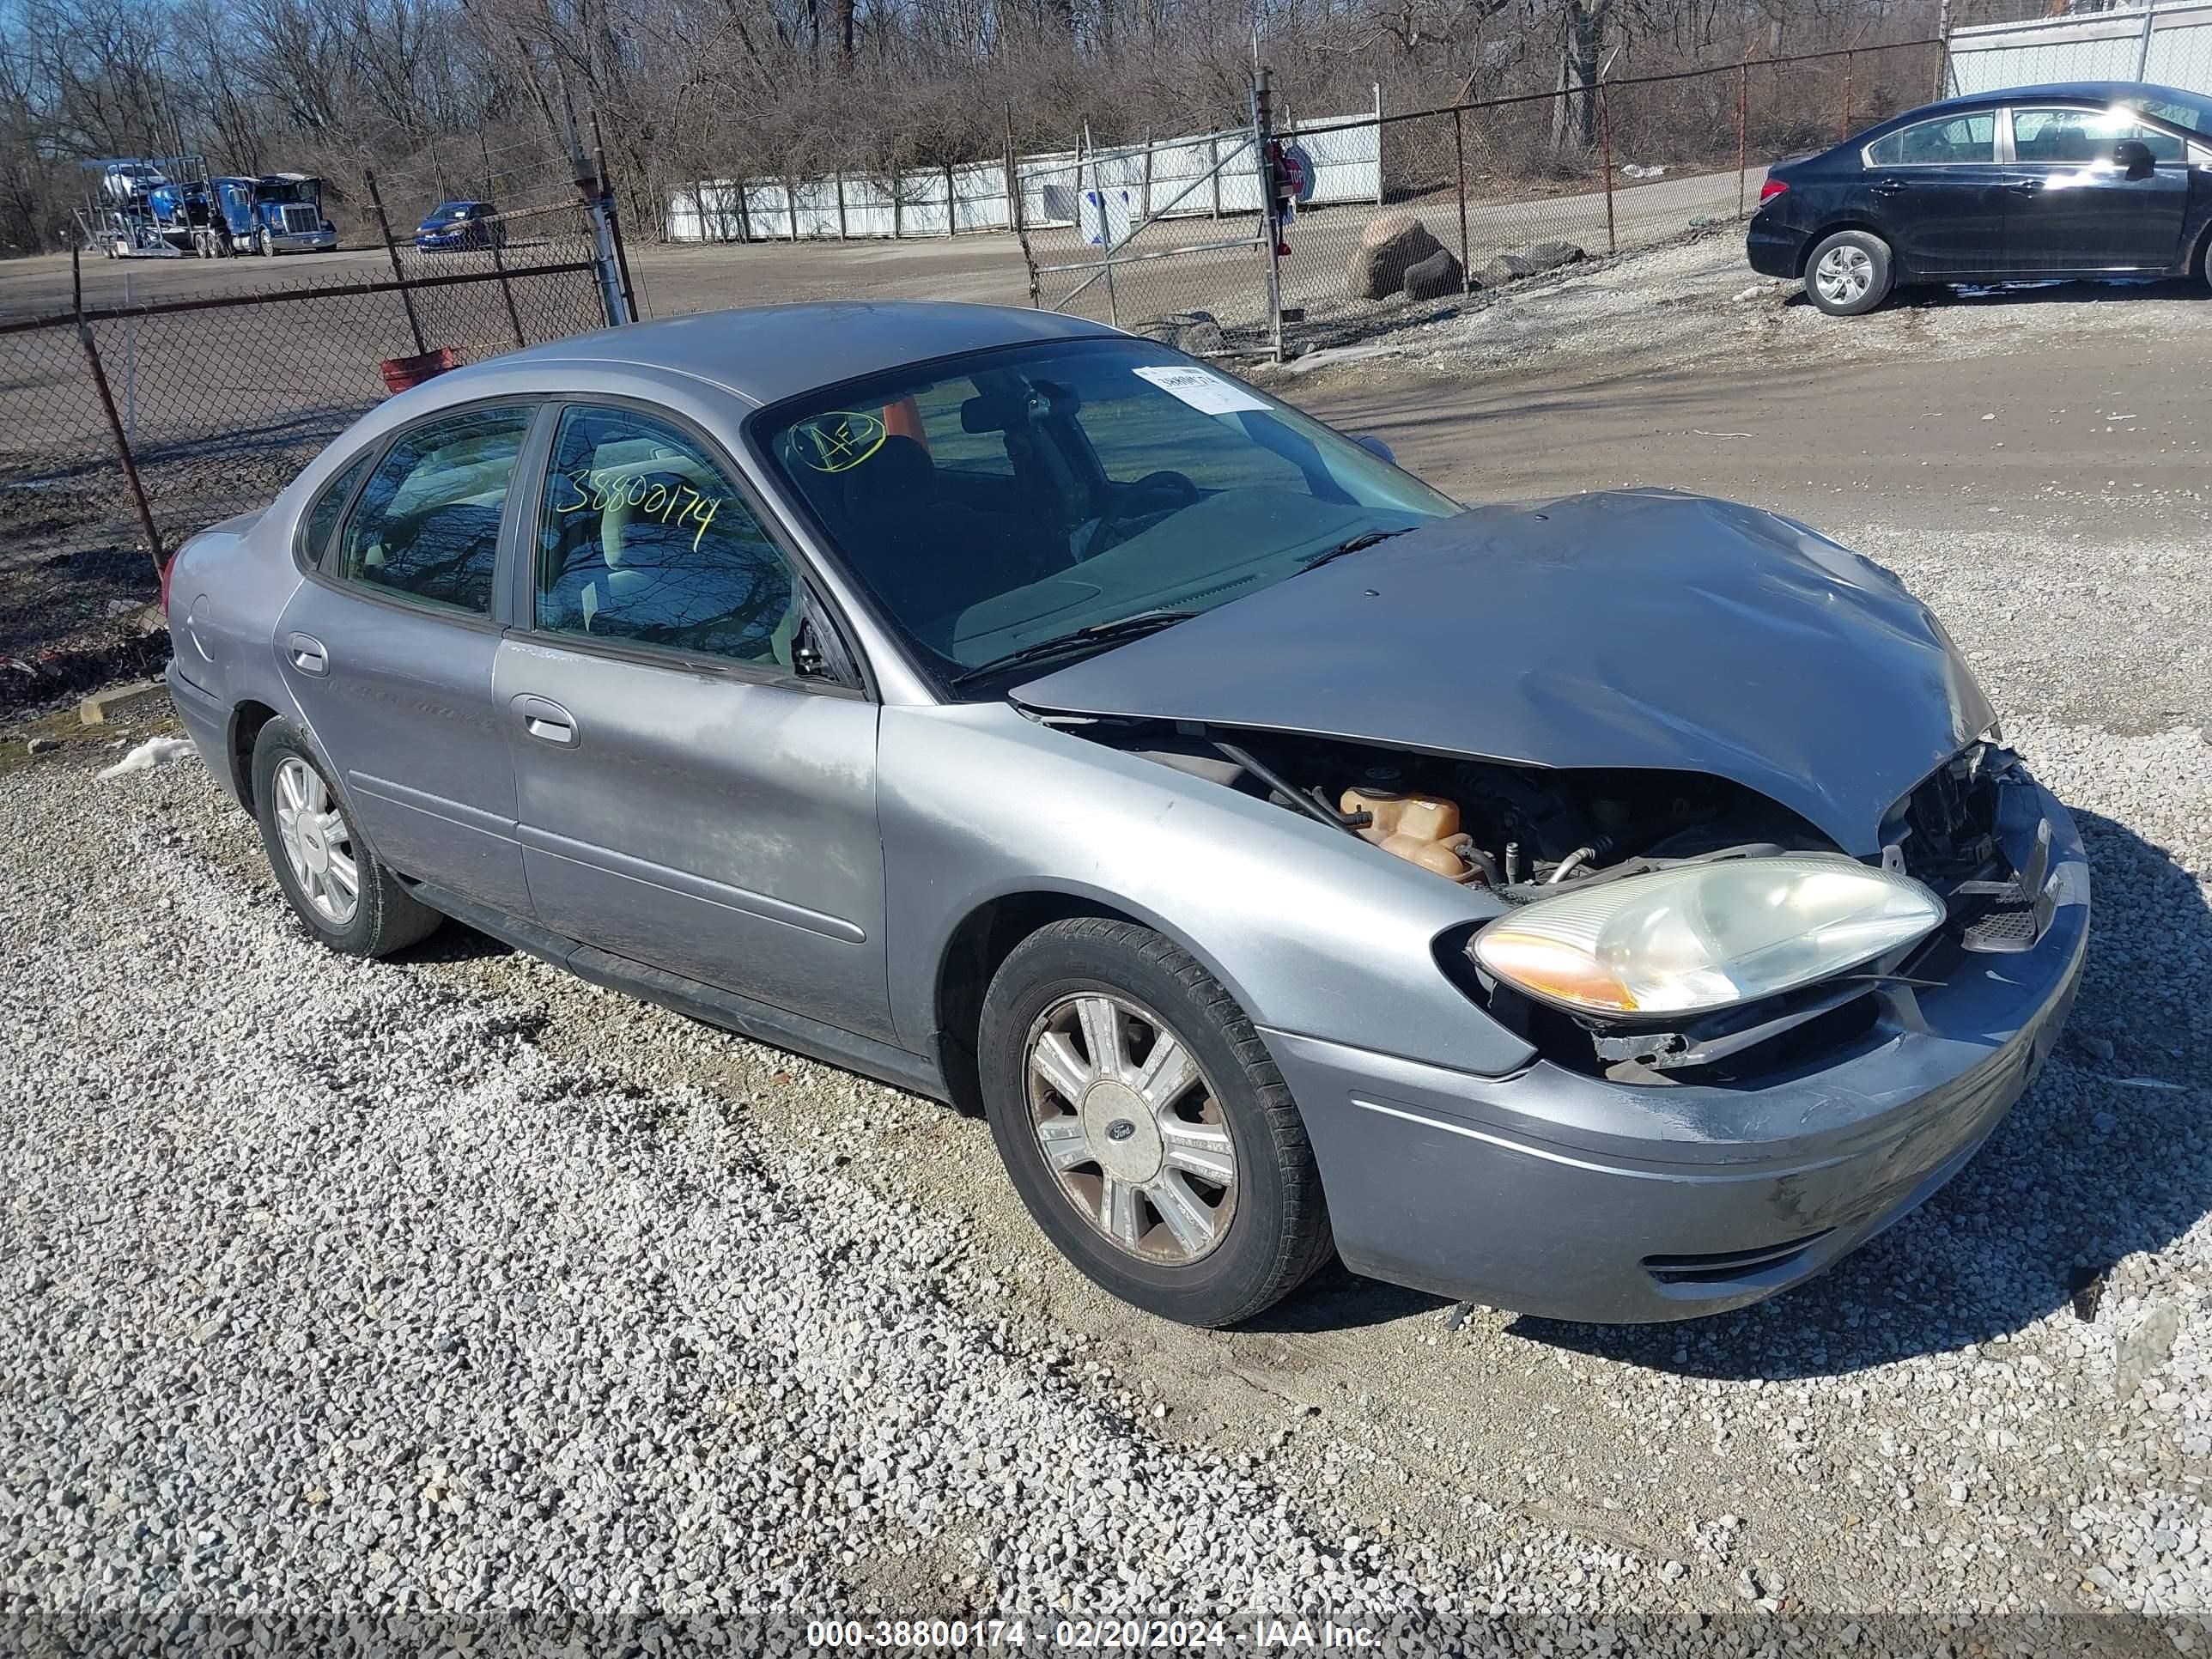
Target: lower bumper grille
point(1721, 1266)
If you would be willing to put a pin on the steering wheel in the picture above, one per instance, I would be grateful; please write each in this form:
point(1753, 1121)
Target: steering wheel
point(1141, 504)
point(1180, 490)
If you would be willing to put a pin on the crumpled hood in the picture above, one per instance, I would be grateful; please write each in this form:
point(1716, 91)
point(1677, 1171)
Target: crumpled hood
point(1630, 629)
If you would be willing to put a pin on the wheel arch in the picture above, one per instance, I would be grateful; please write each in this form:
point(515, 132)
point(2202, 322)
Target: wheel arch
point(247, 720)
point(1847, 221)
point(980, 942)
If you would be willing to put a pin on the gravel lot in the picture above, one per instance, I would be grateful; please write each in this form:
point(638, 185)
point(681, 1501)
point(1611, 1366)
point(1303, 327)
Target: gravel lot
point(436, 1292)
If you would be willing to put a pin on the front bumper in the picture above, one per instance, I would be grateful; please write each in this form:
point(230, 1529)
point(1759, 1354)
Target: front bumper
point(1556, 1193)
point(304, 241)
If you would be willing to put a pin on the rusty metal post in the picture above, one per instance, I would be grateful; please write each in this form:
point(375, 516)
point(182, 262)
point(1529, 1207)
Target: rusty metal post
point(1263, 116)
point(613, 220)
point(1742, 134)
point(951, 203)
point(1016, 214)
point(1459, 149)
point(1605, 158)
point(114, 421)
point(392, 252)
point(1943, 48)
point(498, 234)
point(1850, 58)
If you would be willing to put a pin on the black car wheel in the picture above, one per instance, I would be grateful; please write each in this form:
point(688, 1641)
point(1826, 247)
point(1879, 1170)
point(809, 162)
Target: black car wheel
point(1848, 273)
point(333, 882)
point(1145, 1126)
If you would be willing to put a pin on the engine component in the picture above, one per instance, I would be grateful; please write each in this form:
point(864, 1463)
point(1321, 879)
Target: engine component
point(1422, 830)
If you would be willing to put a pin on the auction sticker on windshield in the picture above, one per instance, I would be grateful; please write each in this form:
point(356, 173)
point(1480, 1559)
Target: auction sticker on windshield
point(1208, 393)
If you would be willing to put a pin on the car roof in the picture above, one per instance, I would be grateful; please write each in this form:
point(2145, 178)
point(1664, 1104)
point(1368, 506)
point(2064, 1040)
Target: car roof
point(2084, 92)
point(766, 353)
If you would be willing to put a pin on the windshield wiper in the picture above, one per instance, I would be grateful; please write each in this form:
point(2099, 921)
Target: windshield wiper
point(1145, 622)
point(1365, 539)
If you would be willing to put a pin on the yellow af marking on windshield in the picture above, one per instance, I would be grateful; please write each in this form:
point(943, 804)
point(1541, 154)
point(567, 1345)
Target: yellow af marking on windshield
point(839, 440)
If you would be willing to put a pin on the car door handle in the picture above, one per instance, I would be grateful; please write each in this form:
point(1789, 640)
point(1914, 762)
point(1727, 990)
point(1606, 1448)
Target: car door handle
point(307, 653)
point(1887, 186)
point(2024, 186)
point(546, 721)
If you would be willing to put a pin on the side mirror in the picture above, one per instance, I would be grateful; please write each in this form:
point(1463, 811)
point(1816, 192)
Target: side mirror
point(1375, 446)
point(2133, 156)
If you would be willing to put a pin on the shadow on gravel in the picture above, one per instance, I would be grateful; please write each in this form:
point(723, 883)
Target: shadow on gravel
point(2100, 1159)
point(2069, 291)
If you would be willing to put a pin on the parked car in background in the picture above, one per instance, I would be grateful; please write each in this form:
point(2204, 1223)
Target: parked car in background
point(1615, 909)
point(459, 225)
point(2104, 178)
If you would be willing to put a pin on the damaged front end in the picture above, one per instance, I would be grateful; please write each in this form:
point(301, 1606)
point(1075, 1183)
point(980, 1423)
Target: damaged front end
point(1958, 874)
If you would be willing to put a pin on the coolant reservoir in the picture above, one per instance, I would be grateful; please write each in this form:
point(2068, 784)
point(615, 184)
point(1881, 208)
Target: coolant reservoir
point(1422, 830)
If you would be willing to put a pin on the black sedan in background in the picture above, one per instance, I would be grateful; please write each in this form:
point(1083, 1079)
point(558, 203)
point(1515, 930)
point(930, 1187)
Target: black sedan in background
point(2095, 179)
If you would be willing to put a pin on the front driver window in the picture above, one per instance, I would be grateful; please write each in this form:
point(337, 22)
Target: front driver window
point(643, 537)
point(2081, 137)
point(427, 526)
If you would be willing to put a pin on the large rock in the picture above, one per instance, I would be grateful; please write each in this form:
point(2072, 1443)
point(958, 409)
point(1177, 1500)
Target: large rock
point(1438, 275)
point(1192, 331)
point(1394, 243)
point(1512, 266)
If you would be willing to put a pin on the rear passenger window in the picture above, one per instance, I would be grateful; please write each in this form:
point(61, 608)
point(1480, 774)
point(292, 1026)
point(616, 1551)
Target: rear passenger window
point(322, 516)
point(644, 537)
point(427, 526)
point(1933, 144)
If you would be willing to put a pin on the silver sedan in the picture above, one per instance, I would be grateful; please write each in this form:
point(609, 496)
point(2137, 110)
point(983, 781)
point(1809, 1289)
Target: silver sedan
point(1613, 909)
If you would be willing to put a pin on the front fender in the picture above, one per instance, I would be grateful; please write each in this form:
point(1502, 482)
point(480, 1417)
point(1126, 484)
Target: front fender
point(1314, 932)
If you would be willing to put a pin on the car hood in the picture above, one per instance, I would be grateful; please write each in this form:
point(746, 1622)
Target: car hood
point(1630, 629)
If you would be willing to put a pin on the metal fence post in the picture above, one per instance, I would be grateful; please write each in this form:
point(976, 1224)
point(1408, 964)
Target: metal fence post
point(114, 421)
point(1263, 112)
point(1014, 209)
point(2142, 47)
point(1378, 86)
point(1604, 146)
point(507, 289)
point(392, 250)
point(1943, 48)
point(613, 223)
point(1742, 134)
point(951, 203)
point(1459, 152)
point(1851, 60)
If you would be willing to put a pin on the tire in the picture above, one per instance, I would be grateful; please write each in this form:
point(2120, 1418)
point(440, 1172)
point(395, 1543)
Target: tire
point(268, 245)
point(1190, 1246)
point(1849, 272)
point(384, 916)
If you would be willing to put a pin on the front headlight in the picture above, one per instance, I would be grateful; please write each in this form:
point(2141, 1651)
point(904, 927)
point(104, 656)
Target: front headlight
point(1704, 936)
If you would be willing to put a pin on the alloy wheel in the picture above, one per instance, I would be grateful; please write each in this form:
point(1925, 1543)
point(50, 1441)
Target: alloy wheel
point(1844, 274)
point(1130, 1128)
point(317, 842)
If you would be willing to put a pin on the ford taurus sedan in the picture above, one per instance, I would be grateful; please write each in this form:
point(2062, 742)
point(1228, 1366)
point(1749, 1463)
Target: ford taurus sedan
point(1616, 909)
point(2105, 179)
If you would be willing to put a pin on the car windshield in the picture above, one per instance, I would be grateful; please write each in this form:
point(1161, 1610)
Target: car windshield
point(450, 210)
point(999, 504)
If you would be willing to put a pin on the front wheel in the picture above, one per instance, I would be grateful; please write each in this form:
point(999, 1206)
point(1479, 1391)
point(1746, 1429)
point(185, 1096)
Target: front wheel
point(1849, 272)
point(1145, 1126)
point(268, 245)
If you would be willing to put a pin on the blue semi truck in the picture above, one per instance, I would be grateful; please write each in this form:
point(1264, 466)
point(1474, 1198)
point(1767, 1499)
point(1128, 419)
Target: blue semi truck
point(276, 213)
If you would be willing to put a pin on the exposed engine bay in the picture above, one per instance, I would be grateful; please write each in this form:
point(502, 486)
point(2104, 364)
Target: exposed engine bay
point(1516, 829)
point(1530, 832)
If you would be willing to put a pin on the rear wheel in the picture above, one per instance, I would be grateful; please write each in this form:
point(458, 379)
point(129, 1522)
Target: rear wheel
point(335, 884)
point(1145, 1126)
point(1849, 273)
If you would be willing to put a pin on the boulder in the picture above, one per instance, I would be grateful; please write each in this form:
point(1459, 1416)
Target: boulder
point(1192, 331)
point(1392, 244)
point(1512, 266)
point(1438, 275)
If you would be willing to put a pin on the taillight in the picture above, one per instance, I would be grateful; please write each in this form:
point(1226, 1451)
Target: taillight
point(1770, 189)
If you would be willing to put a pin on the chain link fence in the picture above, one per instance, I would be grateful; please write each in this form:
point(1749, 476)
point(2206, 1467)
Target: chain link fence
point(216, 403)
point(1480, 195)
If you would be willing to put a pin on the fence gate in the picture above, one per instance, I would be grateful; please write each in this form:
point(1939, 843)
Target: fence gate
point(1117, 235)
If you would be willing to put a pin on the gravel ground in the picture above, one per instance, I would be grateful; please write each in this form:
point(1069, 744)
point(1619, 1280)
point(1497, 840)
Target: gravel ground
point(440, 1293)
